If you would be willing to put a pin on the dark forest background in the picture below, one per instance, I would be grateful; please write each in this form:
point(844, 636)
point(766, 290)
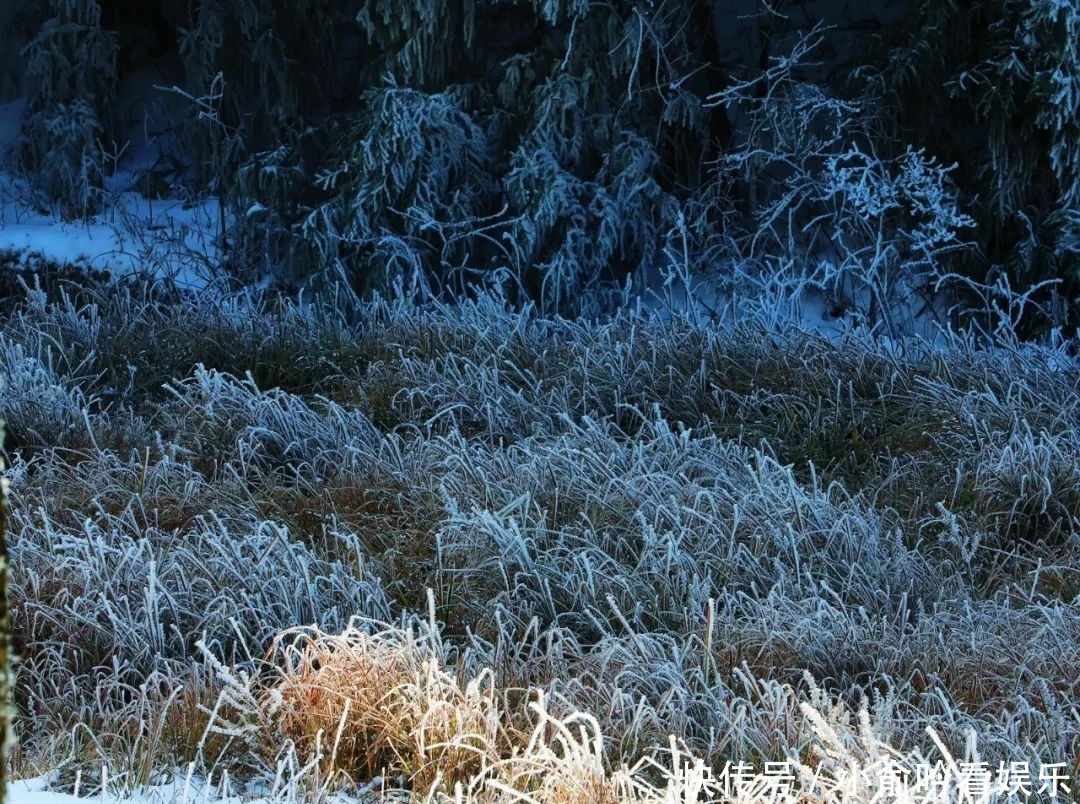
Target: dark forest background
point(897, 158)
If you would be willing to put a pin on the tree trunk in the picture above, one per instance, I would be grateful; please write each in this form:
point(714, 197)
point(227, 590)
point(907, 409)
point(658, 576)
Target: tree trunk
point(5, 631)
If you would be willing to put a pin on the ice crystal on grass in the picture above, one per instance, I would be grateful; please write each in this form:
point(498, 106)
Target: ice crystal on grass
point(649, 528)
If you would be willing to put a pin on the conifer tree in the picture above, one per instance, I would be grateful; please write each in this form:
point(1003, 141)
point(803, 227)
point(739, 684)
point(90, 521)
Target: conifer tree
point(70, 69)
point(994, 86)
point(559, 147)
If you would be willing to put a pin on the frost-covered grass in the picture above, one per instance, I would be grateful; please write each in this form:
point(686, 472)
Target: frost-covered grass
point(464, 546)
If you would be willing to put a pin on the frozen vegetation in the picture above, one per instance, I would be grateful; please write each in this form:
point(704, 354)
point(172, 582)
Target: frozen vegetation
point(541, 401)
point(452, 552)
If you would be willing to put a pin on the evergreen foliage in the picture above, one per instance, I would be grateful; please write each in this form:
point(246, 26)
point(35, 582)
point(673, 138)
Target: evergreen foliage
point(494, 139)
point(260, 69)
point(559, 147)
point(830, 206)
point(70, 81)
point(994, 85)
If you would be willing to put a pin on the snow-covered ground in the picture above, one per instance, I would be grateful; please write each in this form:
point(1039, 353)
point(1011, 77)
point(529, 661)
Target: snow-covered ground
point(161, 236)
point(32, 791)
point(36, 791)
point(182, 790)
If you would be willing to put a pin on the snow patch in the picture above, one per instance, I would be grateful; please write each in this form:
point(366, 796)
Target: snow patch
point(132, 234)
point(182, 789)
point(165, 238)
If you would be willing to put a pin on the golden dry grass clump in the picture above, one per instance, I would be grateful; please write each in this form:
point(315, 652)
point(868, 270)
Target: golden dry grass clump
point(371, 703)
point(367, 703)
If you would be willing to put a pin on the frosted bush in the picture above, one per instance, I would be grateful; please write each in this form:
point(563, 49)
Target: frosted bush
point(39, 404)
point(826, 206)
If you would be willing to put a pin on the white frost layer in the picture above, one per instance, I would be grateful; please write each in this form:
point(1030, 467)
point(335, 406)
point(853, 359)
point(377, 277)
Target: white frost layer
point(181, 790)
